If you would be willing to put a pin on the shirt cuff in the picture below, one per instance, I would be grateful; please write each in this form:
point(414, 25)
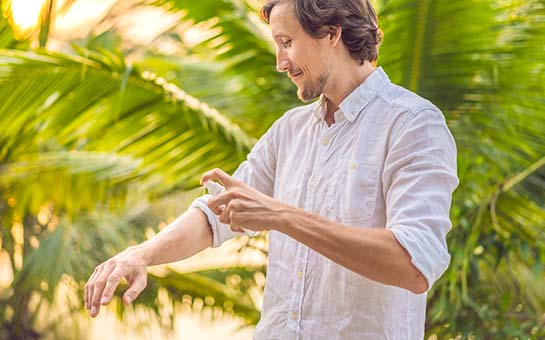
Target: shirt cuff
point(221, 232)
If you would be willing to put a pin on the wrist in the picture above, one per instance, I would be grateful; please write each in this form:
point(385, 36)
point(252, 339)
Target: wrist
point(283, 219)
point(142, 254)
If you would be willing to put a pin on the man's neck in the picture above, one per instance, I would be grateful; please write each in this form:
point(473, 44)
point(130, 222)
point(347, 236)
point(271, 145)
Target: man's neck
point(342, 85)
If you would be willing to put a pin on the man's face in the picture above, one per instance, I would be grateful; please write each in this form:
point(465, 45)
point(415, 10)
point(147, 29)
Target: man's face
point(298, 54)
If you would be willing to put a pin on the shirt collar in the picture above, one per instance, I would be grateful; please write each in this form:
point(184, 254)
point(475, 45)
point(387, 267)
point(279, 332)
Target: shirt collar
point(357, 100)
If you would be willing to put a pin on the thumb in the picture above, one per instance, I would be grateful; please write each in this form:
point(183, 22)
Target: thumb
point(136, 287)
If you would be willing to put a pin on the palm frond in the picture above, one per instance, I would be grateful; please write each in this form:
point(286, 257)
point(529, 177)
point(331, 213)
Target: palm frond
point(238, 43)
point(170, 137)
point(228, 289)
point(7, 38)
point(439, 49)
point(479, 61)
point(45, 22)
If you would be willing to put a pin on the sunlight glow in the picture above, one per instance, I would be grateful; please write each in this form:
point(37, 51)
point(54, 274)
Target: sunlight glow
point(81, 18)
point(26, 13)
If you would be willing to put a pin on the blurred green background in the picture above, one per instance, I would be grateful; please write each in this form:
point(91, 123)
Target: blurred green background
point(111, 110)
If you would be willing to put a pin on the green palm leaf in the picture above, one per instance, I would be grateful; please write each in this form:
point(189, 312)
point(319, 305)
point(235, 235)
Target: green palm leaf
point(98, 130)
point(71, 250)
point(238, 40)
point(7, 37)
point(479, 61)
point(228, 289)
point(119, 116)
point(247, 57)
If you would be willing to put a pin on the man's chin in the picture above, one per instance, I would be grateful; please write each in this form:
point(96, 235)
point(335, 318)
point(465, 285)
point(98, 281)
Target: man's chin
point(305, 97)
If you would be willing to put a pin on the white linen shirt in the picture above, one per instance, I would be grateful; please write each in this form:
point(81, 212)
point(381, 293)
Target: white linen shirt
point(389, 161)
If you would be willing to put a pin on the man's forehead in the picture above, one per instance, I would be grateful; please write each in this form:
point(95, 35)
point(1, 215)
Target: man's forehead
point(283, 21)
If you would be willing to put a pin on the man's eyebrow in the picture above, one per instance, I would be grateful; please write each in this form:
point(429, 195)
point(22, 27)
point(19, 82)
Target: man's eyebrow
point(280, 35)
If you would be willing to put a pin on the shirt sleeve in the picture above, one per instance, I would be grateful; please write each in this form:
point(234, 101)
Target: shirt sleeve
point(419, 178)
point(258, 171)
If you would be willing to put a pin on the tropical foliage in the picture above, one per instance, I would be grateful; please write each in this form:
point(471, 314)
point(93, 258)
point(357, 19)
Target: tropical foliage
point(85, 136)
point(88, 137)
point(481, 62)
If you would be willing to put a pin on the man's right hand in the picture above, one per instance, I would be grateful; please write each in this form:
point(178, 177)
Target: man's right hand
point(185, 236)
point(102, 284)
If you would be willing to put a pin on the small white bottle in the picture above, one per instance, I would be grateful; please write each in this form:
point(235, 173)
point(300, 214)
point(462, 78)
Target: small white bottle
point(214, 189)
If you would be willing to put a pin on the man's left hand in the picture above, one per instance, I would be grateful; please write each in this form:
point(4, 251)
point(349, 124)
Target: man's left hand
point(242, 206)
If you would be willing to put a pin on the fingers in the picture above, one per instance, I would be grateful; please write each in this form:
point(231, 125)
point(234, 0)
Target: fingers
point(228, 216)
point(107, 276)
point(92, 286)
point(236, 229)
point(137, 285)
point(109, 289)
point(221, 176)
point(232, 199)
point(89, 287)
point(229, 212)
point(229, 203)
point(221, 202)
point(102, 284)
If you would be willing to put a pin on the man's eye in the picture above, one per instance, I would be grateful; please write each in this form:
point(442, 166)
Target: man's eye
point(286, 43)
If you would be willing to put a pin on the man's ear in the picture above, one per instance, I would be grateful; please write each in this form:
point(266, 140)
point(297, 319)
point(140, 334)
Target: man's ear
point(335, 33)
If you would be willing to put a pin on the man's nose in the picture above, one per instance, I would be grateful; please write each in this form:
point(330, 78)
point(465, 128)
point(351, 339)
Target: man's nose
point(282, 63)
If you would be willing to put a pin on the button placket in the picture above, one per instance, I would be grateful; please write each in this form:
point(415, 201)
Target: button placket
point(324, 147)
point(302, 253)
point(298, 290)
point(302, 285)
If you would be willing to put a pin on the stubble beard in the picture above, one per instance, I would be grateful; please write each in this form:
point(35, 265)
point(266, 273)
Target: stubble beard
point(313, 89)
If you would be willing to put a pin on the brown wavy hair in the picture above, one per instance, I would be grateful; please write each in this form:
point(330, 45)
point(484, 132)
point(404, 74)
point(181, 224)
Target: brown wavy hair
point(357, 19)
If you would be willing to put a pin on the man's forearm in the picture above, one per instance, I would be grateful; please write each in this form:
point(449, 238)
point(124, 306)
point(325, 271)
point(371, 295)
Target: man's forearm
point(372, 252)
point(184, 237)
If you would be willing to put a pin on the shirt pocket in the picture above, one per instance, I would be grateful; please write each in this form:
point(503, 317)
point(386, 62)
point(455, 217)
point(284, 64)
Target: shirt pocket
point(353, 194)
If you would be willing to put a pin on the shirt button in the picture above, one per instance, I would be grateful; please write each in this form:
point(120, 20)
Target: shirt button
point(353, 165)
point(325, 141)
point(312, 183)
point(299, 275)
point(293, 316)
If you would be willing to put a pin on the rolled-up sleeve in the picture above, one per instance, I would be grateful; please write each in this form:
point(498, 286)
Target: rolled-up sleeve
point(258, 171)
point(419, 178)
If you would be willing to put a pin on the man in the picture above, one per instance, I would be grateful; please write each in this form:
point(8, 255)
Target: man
point(354, 188)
